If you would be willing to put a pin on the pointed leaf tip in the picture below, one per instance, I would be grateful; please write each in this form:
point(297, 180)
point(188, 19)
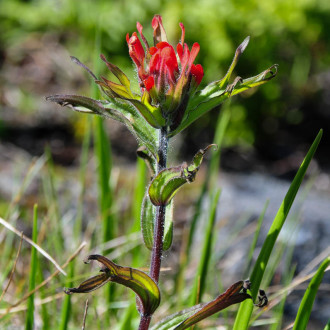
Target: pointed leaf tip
point(76, 61)
point(243, 45)
point(166, 184)
point(236, 293)
point(142, 284)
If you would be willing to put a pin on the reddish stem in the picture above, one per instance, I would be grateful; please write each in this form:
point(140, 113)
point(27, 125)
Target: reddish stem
point(157, 249)
point(144, 322)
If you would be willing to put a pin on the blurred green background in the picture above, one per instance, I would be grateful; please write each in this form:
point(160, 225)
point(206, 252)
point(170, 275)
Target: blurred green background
point(267, 124)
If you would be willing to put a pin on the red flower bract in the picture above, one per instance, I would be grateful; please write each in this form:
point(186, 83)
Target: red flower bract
point(167, 81)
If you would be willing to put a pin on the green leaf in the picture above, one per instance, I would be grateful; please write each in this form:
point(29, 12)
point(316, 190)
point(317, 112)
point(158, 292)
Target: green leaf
point(141, 283)
point(166, 184)
point(171, 321)
point(245, 310)
point(258, 80)
point(306, 305)
point(145, 134)
point(236, 293)
point(144, 154)
point(112, 109)
point(147, 224)
point(217, 92)
point(239, 51)
point(149, 113)
point(119, 90)
point(82, 104)
point(120, 75)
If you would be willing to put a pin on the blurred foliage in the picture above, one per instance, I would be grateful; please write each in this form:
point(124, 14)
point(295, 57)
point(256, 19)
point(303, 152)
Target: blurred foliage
point(293, 34)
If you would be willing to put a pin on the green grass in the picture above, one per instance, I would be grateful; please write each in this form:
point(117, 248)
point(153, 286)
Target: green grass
point(104, 212)
point(29, 320)
point(206, 252)
point(69, 310)
point(245, 310)
point(305, 308)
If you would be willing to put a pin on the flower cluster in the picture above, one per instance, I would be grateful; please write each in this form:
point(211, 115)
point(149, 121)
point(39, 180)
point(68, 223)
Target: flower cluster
point(169, 78)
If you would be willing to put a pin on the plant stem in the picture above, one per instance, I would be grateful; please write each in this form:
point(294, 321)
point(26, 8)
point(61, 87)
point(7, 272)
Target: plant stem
point(157, 249)
point(144, 322)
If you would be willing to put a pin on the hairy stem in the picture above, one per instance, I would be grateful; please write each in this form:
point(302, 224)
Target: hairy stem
point(157, 249)
point(144, 322)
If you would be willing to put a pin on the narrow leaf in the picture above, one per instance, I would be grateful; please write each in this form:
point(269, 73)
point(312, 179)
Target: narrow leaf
point(166, 184)
point(239, 51)
point(112, 109)
point(76, 61)
point(233, 295)
point(120, 90)
point(74, 101)
point(306, 305)
point(147, 224)
point(143, 153)
point(327, 327)
point(120, 75)
point(148, 113)
point(143, 285)
point(175, 319)
point(90, 284)
point(212, 96)
point(245, 310)
point(29, 322)
point(258, 80)
point(168, 227)
point(206, 252)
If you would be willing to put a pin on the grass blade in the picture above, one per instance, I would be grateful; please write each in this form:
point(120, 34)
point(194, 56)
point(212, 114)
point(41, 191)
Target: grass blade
point(245, 310)
point(140, 187)
point(66, 305)
point(12, 270)
point(103, 156)
point(306, 305)
point(327, 327)
point(37, 247)
point(29, 321)
point(255, 239)
point(200, 280)
point(211, 176)
point(82, 176)
point(214, 164)
point(222, 124)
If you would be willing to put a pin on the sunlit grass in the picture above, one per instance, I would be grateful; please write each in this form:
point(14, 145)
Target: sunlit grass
point(50, 300)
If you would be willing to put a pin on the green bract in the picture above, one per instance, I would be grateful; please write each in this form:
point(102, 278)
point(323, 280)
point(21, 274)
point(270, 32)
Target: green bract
point(166, 184)
point(167, 103)
point(147, 224)
point(142, 117)
point(142, 284)
point(236, 293)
